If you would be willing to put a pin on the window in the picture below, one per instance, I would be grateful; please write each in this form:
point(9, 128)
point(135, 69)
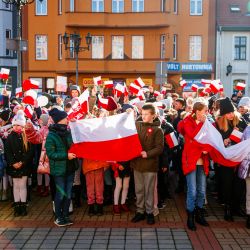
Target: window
point(175, 6)
point(97, 47)
point(234, 8)
point(240, 48)
point(59, 7)
point(41, 8)
point(8, 36)
point(175, 44)
point(195, 48)
point(163, 5)
point(71, 5)
point(195, 7)
point(117, 6)
point(137, 47)
point(41, 47)
point(60, 46)
point(163, 46)
point(117, 47)
point(138, 5)
point(72, 48)
point(97, 5)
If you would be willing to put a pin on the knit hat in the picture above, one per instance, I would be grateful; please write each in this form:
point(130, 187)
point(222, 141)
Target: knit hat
point(5, 115)
point(57, 115)
point(45, 119)
point(19, 119)
point(75, 87)
point(226, 106)
point(244, 102)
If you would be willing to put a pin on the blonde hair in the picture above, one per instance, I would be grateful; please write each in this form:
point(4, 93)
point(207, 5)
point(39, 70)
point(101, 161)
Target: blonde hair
point(223, 122)
point(25, 141)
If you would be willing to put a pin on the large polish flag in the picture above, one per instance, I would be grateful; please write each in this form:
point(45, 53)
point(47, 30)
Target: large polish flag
point(211, 140)
point(112, 138)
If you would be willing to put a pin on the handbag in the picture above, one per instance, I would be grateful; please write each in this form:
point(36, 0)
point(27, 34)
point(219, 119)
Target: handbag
point(43, 166)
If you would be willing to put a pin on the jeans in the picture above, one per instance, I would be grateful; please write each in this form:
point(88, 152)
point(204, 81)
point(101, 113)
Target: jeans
point(63, 195)
point(196, 188)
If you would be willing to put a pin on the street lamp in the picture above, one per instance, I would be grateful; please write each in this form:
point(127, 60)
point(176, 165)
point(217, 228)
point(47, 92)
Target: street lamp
point(19, 4)
point(229, 69)
point(76, 38)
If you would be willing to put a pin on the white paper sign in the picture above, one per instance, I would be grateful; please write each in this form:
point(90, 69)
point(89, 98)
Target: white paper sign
point(61, 84)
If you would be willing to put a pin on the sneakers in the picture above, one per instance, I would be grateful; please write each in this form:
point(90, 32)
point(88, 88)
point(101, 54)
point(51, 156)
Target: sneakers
point(60, 222)
point(156, 211)
point(138, 217)
point(68, 221)
point(150, 219)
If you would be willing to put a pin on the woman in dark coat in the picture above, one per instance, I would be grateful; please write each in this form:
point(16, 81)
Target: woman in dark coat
point(19, 154)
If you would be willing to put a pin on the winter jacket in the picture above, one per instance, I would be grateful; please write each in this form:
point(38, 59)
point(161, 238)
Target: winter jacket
point(57, 146)
point(91, 165)
point(152, 141)
point(15, 152)
point(192, 151)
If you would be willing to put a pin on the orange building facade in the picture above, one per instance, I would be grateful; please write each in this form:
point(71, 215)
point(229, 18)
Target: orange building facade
point(130, 37)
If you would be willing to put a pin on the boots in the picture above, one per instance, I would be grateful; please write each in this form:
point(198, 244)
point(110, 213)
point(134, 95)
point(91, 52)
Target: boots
point(190, 221)
point(46, 192)
point(39, 190)
point(99, 209)
point(91, 211)
point(248, 222)
point(23, 209)
point(228, 213)
point(17, 209)
point(200, 217)
point(116, 209)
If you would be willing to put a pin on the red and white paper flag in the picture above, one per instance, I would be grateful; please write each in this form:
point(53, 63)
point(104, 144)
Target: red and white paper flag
point(163, 90)
point(97, 80)
point(4, 74)
point(159, 105)
point(19, 92)
point(236, 136)
point(194, 87)
point(139, 82)
point(81, 107)
point(205, 81)
point(171, 140)
point(157, 93)
point(28, 100)
point(30, 84)
point(183, 83)
point(215, 86)
point(119, 90)
point(103, 138)
point(240, 86)
point(141, 95)
point(103, 102)
point(28, 111)
point(108, 84)
point(134, 88)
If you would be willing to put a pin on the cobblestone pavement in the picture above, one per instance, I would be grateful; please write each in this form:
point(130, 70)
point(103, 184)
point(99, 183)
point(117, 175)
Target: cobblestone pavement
point(37, 231)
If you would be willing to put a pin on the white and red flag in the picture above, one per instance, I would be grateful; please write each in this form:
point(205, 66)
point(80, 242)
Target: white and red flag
point(194, 87)
point(215, 86)
point(139, 82)
point(28, 111)
point(183, 83)
point(210, 140)
point(4, 74)
point(205, 81)
point(108, 84)
point(141, 95)
point(19, 92)
point(240, 86)
point(134, 88)
point(157, 93)
point(163, 90)
point(119, 90)
point(106, 139)
point(236, 136)
point(171, 140)
point(30, 84)
point(97, 80)
point(81, 107)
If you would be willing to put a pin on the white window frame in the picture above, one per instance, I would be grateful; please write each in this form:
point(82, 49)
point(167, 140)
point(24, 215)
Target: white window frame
point(59, 7)
point(195, 48)
point(117, 3)
point(60, 46)
point(175, 46)
point(137, 3)
point(98, 8)
point(196, 2)
point(175, 6)
point(96, 49)
point(137, 49)
point(119, 54)
point(39, 4)
point(72, 5)
point(163, 46)
point(41, 46)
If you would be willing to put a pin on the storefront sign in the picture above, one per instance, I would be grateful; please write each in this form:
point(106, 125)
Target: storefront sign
point(89, 81)
point(171, 66)
point(189, 67)
point(148, 82)
point(190, 82)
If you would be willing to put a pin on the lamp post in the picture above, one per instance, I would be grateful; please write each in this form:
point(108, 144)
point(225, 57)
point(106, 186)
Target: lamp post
point(19, 4)
point(76, 38)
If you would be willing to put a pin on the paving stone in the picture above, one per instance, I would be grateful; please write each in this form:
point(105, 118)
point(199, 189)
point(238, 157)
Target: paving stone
point(48, 246)
point(115, 246)
point(98, 246)
point(81, 246)
point(31, 246)
point(65, 246)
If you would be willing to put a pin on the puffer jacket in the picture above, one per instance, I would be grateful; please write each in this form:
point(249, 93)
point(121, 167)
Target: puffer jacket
point(192, 151)
point(152, 142)
point(243, 171)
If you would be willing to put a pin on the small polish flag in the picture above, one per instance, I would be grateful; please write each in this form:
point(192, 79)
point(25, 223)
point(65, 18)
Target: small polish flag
point(215, 86)
point(202, 93)
point(4, 74)
point(119, 90)
point(125, 91)
point(221, 88)
point(157, 93)
point(163, 90)
point(205, 81)
point(141, 95)
point(139, 82)
point(97, 80)
point(28, 111)
point(134, 88)
point(159, 105)
point(171, 140)
point(103, 102)
point(208, 90)
point(108, 84)
point(30, 84)
point(134, 101)
point(194, 87)
point(236, 136)
point(183, 83)
point(28, 100)
point(240, 86)
point(19, 92)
